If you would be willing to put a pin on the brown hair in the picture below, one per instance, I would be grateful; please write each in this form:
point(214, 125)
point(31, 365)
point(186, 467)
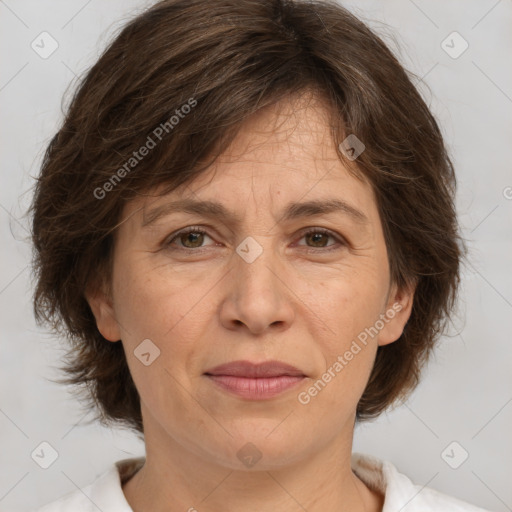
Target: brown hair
point(226, 59)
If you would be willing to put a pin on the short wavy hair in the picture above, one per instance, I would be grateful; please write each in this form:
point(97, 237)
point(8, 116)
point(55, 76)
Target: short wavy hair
point(227, 59)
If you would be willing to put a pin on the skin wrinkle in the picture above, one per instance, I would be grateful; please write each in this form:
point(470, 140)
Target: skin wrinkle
point(304, 309)
point(106, 285)
point(405, 159)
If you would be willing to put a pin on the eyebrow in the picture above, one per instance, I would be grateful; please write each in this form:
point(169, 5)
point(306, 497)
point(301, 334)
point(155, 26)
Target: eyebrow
point(215, 209)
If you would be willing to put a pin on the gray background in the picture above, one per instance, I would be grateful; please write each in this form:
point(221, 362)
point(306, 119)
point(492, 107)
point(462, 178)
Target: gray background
point(466, 395)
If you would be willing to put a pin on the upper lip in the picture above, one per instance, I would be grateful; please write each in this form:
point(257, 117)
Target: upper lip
point(255, 370)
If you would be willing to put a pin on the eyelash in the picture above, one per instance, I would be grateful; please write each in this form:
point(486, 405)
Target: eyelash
point(196, 229)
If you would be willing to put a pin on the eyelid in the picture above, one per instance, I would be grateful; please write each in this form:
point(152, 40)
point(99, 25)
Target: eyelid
point(205, 230)
point(341, 240)
point(189, 229)
point(326, 231)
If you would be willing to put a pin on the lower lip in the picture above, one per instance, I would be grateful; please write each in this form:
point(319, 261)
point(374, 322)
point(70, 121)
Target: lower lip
point(256, 389)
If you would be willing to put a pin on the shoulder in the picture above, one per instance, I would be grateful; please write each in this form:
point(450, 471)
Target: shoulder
point(72, 501)
point(400, 493)
point(104, 493)
point(75, 500)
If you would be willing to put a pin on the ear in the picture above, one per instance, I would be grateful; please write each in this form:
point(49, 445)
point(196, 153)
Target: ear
point(397, 313)
point(100, 302)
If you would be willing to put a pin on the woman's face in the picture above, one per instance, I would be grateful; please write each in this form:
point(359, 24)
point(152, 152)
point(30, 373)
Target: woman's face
point(255, 287)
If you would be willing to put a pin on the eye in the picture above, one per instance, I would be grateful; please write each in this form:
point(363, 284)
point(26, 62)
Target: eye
point(193, 237)
point(189, 238)
point(319, 237)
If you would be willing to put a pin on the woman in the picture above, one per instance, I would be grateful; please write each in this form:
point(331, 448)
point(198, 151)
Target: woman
point(246, 227)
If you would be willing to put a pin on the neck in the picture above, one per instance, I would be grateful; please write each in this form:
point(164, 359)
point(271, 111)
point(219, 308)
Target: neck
point(177, 478)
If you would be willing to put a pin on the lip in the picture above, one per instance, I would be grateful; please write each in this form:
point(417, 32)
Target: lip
point(255, 370)
point(255, 381)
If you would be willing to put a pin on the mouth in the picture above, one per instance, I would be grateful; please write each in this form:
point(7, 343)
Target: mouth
point(255, 381)
point(256, 370)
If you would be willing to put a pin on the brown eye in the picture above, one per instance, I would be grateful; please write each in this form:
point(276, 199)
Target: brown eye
point(318, 239)
point(189, 238)
point(194, 238)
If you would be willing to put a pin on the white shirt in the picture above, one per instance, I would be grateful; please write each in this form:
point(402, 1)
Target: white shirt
point(106, 493)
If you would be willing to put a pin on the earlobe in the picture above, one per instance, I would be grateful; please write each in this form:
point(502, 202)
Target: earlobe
point(103, 311)
point(397, 313)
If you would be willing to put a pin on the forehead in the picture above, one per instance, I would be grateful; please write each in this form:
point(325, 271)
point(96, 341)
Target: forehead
point(283, 153)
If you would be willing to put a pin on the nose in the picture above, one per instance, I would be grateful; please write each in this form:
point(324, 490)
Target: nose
point(257, 296)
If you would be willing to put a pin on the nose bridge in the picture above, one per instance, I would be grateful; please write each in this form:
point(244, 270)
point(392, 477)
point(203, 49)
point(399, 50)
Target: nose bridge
point(257, 294)
point(256, 264)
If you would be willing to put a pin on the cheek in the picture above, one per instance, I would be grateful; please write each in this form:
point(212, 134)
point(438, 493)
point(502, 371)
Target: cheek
point(348, 306)
point(351, 301)
point(151, 309)
point(173, 312)
point(153, 301)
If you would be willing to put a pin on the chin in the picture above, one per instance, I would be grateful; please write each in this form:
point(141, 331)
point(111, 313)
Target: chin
point(261, 452)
